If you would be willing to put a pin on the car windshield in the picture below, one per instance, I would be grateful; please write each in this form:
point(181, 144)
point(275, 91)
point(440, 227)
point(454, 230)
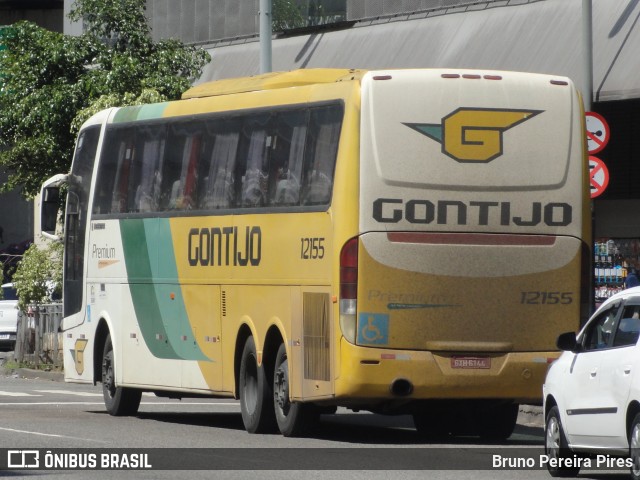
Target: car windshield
point(8, 292)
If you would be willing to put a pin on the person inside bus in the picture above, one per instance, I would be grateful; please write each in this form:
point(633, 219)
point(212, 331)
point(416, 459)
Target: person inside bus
point(254, 181)
point(220, 188)
point(289, 168)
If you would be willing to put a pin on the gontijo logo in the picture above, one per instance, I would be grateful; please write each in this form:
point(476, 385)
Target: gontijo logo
point(474, 134)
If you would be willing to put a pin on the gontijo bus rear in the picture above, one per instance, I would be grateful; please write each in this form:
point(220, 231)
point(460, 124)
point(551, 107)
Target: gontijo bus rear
point(472, 245)
point(402, 241)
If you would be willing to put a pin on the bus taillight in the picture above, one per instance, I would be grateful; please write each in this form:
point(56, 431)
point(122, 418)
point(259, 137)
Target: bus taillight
point(349, 288)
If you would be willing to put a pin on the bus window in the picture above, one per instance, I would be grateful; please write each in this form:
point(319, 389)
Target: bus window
point(105, 185)
point(183, 190)
point(256, 173)
point(125, 157)
point(179, 167)
point(322, 147)
point(218, 184)
point(148, 190)
point(288, 157)
point(76, 219)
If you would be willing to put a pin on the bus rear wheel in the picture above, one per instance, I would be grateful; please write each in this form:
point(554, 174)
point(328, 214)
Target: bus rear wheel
point(498, 422)
point(255, 392)
point(119, 401)
point(294, 418)
point(431, 425)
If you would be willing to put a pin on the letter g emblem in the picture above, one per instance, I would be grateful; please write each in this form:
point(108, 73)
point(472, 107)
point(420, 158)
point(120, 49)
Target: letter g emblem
point(474, 134)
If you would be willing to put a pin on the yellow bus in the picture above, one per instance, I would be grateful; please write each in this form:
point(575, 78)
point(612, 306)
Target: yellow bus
point(398, 241)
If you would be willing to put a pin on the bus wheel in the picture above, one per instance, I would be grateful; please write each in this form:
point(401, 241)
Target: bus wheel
point(119, 401)
point(255, 392)
point(498, 423)
point(557, 448)
point(431, 425)
point(293, 418)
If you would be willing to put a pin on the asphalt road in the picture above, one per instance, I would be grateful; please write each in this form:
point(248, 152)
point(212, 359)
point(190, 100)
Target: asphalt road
point(204, 438)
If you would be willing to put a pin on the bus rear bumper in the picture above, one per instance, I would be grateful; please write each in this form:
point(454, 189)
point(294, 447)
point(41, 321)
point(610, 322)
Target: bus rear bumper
point(377, 374)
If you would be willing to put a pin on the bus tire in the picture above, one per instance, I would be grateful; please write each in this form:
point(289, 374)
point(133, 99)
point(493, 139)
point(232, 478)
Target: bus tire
point(556, 447)
point(294, 418)
point(255, 392)
point(432, 425)
point(119, 401)
point(498, 422)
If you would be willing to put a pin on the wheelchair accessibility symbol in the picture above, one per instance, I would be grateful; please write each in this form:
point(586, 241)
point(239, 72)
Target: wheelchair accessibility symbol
point(373, 329)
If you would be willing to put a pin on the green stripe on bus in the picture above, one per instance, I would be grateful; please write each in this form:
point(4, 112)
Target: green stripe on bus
point(169, 294)
point(156, 294)
point(140, 112)
point(143, 294)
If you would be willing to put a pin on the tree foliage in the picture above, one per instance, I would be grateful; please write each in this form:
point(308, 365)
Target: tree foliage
point(38, 275)
point(50, 83)
point(286, 15)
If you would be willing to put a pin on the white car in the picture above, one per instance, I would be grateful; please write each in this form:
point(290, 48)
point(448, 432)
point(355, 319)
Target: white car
point(592, 392)
point(8, 317)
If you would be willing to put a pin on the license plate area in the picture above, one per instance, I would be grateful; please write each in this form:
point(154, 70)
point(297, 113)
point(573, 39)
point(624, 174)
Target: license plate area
point(471, 362)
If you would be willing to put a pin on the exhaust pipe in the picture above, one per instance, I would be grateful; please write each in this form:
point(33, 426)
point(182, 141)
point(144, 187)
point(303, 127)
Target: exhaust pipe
point(401, 387)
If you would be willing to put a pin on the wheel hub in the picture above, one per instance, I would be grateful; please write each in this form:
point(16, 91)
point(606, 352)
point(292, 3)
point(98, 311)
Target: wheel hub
point(281, 389)
point(107, 375)
point(553, 438)
point(634, 451)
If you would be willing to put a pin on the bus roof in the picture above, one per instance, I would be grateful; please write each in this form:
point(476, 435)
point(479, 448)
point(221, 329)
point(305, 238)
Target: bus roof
point(272, 81)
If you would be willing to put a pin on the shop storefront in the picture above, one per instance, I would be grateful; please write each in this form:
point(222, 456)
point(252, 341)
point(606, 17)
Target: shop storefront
point(616, 212)
point(613, 260)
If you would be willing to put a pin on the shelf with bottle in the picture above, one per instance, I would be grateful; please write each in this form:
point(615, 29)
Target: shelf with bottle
point(612, 260)
point(605, 291)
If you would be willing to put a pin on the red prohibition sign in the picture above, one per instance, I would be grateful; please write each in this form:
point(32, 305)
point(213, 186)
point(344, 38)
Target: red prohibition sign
point(598, 132)
point(598, 176)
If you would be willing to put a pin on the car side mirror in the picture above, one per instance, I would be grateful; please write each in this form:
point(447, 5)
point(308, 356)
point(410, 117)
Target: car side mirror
point(567, 342)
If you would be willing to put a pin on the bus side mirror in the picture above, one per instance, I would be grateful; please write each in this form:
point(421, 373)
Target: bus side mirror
point(50, 206)
point(567, 342)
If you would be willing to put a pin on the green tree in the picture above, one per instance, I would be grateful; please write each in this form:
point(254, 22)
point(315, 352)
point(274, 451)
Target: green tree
point(286, 15)
point(39, 275)
point(50, 83)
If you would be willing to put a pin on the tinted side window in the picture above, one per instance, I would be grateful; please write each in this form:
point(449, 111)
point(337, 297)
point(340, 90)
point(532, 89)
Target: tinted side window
point(288, 158)
point(272, 158)
point(321, 151)
point(179, 167)
point(256, 144)
point(76, 218)
point(599, 333)
point(628, 328)
point(216, 180)
point(148, 191)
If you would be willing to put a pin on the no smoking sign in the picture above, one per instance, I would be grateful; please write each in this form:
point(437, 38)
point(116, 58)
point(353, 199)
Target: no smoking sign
point(598, 176)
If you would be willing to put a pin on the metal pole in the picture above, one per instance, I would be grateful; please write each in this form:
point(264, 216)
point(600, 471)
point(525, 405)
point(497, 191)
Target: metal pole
point(587, 37)
point(265, 36)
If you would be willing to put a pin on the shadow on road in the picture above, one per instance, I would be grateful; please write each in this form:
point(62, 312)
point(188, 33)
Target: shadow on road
point(361, 428)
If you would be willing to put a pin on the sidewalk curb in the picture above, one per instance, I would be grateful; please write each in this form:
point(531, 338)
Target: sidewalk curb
point(32, 374)
point(531, 416)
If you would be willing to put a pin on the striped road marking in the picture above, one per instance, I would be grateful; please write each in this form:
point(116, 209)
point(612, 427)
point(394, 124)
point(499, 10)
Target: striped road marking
point(17, 394)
